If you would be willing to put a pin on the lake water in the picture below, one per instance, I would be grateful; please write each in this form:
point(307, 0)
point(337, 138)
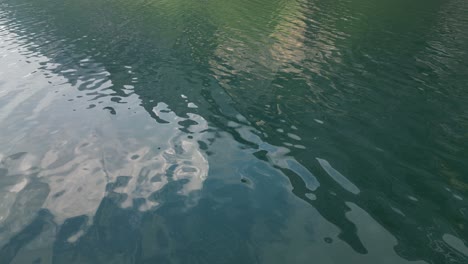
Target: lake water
point(234, 131)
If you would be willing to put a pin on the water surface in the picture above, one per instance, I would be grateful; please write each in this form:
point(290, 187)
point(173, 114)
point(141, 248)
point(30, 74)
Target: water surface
point(215, 131)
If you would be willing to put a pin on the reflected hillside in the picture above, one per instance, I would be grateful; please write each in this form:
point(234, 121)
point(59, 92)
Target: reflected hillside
point(149, 43)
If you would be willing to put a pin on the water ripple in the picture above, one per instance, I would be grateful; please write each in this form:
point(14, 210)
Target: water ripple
point(189, 131)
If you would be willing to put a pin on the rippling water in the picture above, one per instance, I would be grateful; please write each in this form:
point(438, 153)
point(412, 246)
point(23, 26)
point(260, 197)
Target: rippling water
point(215, 131)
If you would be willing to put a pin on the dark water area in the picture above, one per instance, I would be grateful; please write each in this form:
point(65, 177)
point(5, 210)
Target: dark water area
point(215, 131)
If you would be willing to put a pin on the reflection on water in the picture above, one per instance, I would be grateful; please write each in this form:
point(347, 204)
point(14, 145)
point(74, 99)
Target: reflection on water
point(78, 162)
point(239, 131)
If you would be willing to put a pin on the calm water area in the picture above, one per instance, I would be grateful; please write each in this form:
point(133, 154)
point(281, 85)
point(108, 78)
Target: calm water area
point(233, 131)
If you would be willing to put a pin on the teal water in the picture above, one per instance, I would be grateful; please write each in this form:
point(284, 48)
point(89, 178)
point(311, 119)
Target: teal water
point(215, 131)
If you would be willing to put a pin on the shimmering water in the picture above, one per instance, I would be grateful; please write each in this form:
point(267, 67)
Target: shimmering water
point(216, 131)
